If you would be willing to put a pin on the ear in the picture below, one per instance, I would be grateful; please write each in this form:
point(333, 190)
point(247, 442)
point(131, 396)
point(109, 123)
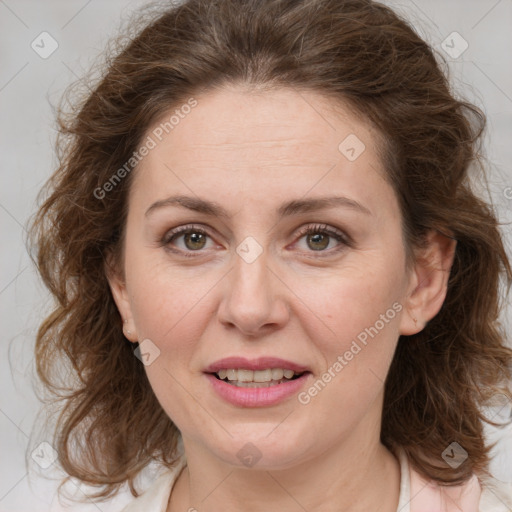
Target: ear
point(117, 285)
point(429, 282)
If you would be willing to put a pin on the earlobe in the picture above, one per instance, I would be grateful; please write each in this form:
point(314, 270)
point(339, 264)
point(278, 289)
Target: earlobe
point(126, 331)
point(429, 283)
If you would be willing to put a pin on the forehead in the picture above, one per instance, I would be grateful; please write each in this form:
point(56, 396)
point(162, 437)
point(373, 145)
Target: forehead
point(273, 141)
point(236, 120)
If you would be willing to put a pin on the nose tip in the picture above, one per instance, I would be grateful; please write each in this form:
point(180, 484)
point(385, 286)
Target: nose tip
point(253, 299)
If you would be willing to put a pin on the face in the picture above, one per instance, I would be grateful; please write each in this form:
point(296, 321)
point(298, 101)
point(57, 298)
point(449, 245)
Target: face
point(285, 252)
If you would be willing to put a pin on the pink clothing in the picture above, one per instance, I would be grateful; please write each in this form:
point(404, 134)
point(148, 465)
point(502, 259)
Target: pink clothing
point(416, 493)
point(420, 495)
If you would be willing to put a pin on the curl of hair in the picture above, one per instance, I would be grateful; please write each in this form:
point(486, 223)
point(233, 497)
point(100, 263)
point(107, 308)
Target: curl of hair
point(358, 52)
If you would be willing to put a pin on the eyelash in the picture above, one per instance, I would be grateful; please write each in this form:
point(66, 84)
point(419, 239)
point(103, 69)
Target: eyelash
point(344, 240)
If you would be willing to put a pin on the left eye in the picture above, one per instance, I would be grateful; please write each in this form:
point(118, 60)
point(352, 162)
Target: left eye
point(318, 238)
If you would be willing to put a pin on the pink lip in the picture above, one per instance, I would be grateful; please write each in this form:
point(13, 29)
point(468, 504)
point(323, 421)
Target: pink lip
point(262, 363)
point(257, 397)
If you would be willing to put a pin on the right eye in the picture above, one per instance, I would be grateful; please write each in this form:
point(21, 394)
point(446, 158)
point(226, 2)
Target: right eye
point(193, 239)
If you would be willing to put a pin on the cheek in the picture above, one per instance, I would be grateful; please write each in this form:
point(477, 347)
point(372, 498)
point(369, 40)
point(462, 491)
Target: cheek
point(164, 298)
point(345, 303)
point(356, 329)
point(170, 310)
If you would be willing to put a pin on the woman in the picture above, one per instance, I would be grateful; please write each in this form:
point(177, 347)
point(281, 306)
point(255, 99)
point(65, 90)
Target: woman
point(272, 273)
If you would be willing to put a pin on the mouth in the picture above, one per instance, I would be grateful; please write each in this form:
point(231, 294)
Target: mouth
point(260, 382)
point(245, 378)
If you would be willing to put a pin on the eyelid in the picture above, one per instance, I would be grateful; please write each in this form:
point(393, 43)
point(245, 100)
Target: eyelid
point(324, 228)
point(169, 235)
point(180, 230)
point(344, 240)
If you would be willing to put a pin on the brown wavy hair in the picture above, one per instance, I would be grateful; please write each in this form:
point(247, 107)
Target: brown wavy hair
point(358, 52)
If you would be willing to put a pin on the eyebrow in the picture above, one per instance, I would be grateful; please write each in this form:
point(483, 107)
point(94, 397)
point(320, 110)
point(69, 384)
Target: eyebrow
point(294, 207)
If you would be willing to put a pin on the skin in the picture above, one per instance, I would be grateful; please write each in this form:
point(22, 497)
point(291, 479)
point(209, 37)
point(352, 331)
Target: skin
point(250, 152)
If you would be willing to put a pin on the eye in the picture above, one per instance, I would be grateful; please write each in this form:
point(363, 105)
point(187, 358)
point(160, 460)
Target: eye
point(319, 237)
point(190, 238)
point(194, 238)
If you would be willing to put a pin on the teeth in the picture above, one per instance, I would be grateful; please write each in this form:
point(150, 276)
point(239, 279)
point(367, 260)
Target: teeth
point(245, 376)
point(257, 377)
point(277, 373)
point(262, 376)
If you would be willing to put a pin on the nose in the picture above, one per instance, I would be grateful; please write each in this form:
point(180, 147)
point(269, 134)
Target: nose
point(254, 298)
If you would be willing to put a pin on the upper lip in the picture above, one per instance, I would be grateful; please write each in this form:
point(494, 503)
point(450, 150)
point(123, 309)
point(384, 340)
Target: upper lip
point(261, 363)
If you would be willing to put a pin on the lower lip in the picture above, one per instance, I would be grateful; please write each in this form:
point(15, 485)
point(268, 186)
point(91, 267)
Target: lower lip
point(256, 397)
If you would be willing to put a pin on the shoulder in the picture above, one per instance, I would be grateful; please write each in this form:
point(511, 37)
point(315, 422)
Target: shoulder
point(156, 497)
point(496, 496)
point(478, 494)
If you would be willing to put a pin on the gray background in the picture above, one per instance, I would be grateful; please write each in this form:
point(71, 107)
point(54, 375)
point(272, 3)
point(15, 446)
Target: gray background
point(29, 85)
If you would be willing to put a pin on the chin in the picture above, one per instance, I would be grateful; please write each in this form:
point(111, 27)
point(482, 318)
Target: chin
point(252, 450)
